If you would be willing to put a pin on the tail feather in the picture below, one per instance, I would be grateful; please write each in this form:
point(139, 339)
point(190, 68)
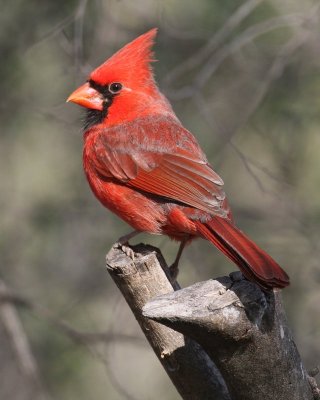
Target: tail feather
point(255, 264)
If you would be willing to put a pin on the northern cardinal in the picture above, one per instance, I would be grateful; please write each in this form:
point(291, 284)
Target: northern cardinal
point(144, 166)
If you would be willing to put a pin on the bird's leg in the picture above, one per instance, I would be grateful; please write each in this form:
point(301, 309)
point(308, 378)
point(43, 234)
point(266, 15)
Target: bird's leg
point(174, 267)
point(125, 239)
point(123, 243)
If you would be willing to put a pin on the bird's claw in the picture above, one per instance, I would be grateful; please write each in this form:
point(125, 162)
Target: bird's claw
point(124, 247)
point(123, 244)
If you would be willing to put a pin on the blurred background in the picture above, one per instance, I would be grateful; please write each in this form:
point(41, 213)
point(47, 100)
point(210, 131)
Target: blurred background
point(244, 77)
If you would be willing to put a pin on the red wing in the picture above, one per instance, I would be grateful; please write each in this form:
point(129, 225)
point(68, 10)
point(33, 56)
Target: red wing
point(182, 180)
point(176, 169)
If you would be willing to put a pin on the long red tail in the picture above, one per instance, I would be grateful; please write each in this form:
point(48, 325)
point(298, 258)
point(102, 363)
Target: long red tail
point(255, 264)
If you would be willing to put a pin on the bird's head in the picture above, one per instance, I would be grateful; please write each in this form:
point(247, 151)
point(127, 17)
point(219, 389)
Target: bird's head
point(122, 87)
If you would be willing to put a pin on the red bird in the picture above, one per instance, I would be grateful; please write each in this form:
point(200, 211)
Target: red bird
point(143, 165)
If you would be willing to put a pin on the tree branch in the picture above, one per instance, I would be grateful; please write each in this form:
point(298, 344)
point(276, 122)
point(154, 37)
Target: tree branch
point(244, 331)
point(188, 366)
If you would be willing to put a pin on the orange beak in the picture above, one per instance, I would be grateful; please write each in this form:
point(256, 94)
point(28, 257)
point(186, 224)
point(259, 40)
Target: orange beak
point(87, 97)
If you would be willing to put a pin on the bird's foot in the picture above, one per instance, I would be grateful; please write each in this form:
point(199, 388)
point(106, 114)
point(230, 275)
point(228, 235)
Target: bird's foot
point(125, 248)
point(174, 271)
point(174, 267)
point(125, 239)
point(123, 244)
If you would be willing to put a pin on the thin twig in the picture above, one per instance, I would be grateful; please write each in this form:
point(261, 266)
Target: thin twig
point(228, 27)
point(78, 34)
point(221, 55)
point(60, 26)
point(86, 338)
point(275, 71)
point(20, 344)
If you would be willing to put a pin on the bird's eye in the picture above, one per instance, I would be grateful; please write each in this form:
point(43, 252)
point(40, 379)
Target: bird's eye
point(115, 87)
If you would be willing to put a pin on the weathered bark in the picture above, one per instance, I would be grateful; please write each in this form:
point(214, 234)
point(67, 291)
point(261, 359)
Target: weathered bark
point(191, 370)
point(244, 331)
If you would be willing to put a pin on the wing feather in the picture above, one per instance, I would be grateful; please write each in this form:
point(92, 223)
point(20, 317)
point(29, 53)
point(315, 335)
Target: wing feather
point(173, 169)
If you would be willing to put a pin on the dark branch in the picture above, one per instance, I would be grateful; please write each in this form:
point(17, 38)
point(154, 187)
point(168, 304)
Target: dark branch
point(245, 333)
